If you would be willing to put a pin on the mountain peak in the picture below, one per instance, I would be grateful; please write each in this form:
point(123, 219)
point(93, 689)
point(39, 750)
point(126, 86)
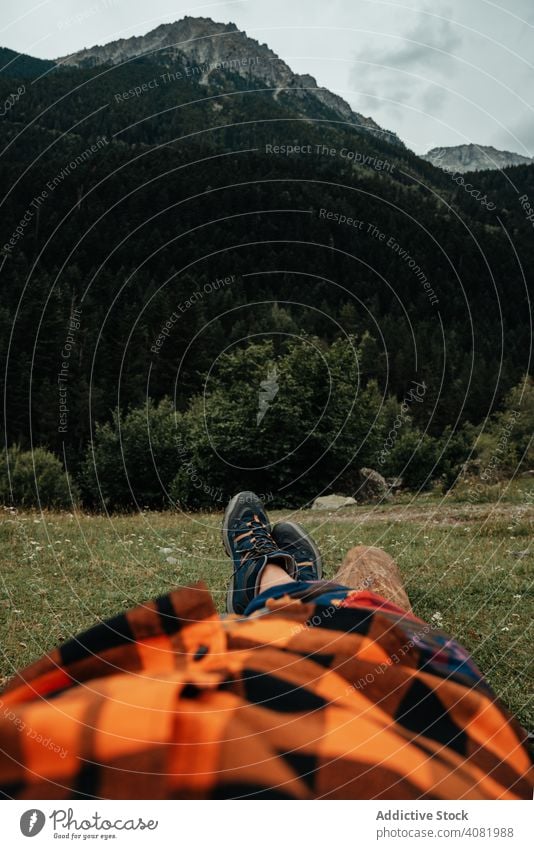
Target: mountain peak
point(474, 157)
point(210, 46)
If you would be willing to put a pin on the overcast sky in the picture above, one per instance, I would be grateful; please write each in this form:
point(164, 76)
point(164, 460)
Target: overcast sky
point(437, 72)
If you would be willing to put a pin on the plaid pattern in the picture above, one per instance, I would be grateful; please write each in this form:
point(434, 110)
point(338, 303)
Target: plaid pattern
point(331, 694)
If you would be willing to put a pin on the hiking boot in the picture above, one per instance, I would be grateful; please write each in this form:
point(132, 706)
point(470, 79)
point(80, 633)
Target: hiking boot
point(246, 534)
point(294, 540)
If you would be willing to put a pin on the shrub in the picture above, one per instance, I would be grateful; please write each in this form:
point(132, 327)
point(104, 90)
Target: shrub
point(34, 479)
point(133, 459)
point(415, 458)
point(505, 447)
point(288, 426)
point(512, 430)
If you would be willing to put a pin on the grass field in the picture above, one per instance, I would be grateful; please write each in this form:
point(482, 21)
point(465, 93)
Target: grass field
point(467, 568)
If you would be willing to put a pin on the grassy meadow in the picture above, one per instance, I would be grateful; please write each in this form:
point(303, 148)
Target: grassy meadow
point(467, 568)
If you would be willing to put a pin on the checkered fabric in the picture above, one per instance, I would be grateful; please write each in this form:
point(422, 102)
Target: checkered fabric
point(330, 694)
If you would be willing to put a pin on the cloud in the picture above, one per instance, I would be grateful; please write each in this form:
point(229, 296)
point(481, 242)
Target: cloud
point(401, 70)
point(520, 136)
point(429, 43)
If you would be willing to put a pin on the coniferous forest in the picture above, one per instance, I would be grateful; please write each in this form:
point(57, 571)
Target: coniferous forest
point(179, 258)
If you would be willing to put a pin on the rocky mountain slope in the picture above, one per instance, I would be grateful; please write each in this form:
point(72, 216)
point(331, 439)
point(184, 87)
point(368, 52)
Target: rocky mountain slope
point(207, 48)
point(474, 157)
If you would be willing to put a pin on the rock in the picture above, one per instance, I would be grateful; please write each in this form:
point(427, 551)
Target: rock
point(172, 560)
point(332, 502)
point(527, 474)
point(164, 551)
point(520, 554)
point(372, 487)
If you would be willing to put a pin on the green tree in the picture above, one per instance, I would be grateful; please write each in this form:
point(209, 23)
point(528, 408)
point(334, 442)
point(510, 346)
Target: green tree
point(290, 426)
point(518, 418)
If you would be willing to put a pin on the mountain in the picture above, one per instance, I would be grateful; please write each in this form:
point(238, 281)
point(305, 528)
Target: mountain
point(474, 157)
point(186, 205)
point(207, 48)
point(13, 64)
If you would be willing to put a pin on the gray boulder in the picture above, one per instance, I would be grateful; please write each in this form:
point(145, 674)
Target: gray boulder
point(332, 502)
point(372, 486)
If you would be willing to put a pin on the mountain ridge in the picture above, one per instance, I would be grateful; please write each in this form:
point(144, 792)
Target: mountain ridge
point(474, 157)
point(209, 46)
point(196, 42)
point(20, 65)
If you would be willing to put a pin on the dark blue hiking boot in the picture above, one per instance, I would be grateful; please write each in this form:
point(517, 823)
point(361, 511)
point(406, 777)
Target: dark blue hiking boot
point(294, 540)
point(246, 534)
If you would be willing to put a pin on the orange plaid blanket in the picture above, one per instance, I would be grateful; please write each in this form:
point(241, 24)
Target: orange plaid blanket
point(300, 700)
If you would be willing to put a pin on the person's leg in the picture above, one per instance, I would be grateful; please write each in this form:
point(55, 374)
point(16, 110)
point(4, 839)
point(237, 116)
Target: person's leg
point(272, 576)
point(372, 569)
point(363, 568)
point(246, 534)
point(264, 561)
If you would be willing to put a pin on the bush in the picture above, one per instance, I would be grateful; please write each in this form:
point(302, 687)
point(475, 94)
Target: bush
point(511, 431)
point(286, 426)
point(505, 447)
point(133, 459)
point(34, 479)
point(415, 458)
